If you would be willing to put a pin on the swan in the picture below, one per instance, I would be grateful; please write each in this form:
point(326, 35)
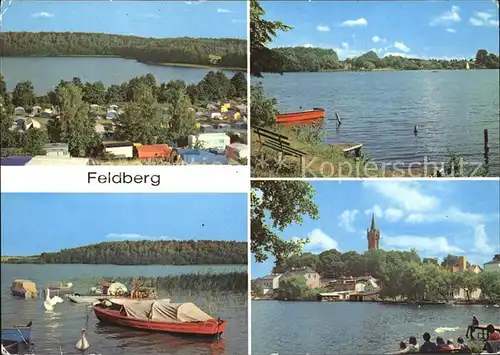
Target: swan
point(51, 302)
point(83, 344)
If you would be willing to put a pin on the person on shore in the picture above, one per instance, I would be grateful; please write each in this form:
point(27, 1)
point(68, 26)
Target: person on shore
point(493, 335)
point(428, 346)
point(472, 328)
point(464, 348)
point(441, 344)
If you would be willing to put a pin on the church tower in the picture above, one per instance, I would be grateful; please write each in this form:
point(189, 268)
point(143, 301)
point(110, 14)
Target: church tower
point(373, 235)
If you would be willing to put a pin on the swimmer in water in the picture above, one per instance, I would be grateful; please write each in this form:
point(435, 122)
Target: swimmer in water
point(415, 130)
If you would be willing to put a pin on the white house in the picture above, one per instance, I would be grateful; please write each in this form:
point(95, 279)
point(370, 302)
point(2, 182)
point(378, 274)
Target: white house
point(494, 265)
point(269, 283)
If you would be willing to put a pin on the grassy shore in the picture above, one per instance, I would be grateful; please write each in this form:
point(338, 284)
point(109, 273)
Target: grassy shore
point(320, 160)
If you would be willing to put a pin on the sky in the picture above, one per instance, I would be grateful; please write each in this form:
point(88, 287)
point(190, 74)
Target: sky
point(33, 223)
point(209, 19)
point(435, 217)
point(423, 29)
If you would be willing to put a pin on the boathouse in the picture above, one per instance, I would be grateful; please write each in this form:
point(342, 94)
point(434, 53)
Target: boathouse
point(364, 296)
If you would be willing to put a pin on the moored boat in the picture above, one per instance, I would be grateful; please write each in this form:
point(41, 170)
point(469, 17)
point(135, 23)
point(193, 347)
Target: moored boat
point(24, 289)
point(160, 316)
point(76, 298)
point(301, 116)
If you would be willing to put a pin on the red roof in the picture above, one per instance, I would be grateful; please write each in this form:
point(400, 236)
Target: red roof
point(153, 151)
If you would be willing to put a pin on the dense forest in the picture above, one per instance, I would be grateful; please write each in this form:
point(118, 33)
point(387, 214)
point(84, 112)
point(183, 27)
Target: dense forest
point(147, 252)
point(302, 59)
point(153, 113)
point(224, 52)
point(400, 273)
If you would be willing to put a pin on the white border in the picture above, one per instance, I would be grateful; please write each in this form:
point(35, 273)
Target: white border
point(74, 179)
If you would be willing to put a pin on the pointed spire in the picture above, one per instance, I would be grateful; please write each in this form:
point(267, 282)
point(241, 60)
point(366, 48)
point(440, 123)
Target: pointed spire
point(373, 227)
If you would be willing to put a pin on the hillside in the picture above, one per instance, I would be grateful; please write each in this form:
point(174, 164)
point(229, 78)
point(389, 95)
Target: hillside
point(145, 252)
point(227, 52)
point(306, 59)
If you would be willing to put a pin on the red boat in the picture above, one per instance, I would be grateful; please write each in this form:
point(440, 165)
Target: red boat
point(300, 116)
point(160, 316)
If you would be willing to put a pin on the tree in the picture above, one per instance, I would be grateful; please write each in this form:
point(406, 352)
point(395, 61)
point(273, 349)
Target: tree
point(114, 94)
point(481, 56)
point(239, 85)
point(74, 125)
point(257, 291)
point(489, 283)
point(215, 86)
point(261, 33)
point(141, 121)
point(263, 109)
point(24, 94)
point(94, 93)
point(281, 203)
point(34, 141)
point(294, 288)
point(181, 116)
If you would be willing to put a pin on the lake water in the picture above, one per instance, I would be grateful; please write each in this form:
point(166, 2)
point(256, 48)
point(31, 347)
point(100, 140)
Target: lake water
point(62, 326)
point(322, 328)
point(380, 109)
point(46, 72)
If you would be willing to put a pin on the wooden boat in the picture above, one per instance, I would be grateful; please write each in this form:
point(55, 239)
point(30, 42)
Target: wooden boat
point(76, 298)
point(24, 289)
point(60, 289)
point(301, 116)
point(160, 316)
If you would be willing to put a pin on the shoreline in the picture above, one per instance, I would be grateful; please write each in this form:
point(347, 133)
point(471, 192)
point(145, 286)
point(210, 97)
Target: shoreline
point(179, 65)
point(375, 70)
point(397, 303)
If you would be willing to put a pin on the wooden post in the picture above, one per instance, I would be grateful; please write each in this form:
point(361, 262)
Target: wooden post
point(337, 117)
point(486, 148)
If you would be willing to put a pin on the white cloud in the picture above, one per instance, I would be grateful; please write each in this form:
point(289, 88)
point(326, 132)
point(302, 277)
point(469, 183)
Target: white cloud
point(401, 46)
point(390, 214)
point(238, 21)
point(196, 2)
point(42, 14)
point(451, 30)
point(376, 210)
point(352, 23)
point(323, 28)
point(320, 241)
point(447, 17)
point(308, 45)
point(345, 45)
point(377, 39)
point(436, 245)
point(405, 195)
point(483, 19)
point(346, 220)
point(393, 214)
point(452, 214)
point(481, 244)
point(223, 11)
point(133, 236)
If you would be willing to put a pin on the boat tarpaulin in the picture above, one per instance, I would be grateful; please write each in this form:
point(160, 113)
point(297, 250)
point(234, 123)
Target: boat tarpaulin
point(164, 311)
point(24, 285)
